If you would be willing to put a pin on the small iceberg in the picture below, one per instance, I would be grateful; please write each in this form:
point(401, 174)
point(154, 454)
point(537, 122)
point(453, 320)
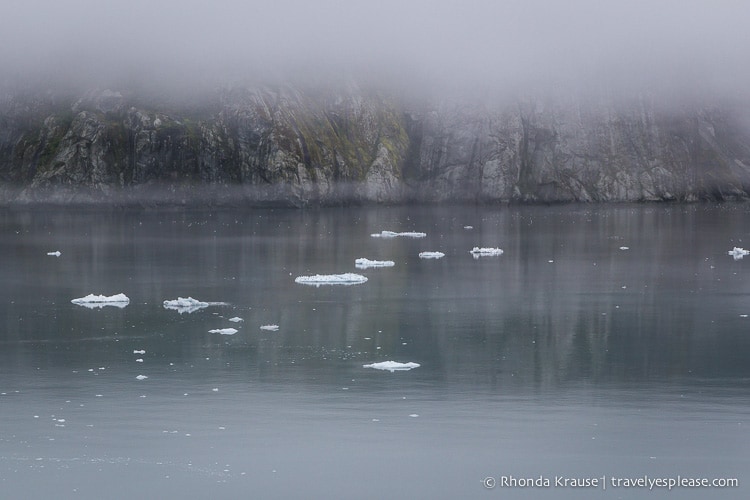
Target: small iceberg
point(738, 253)
point(236, 319)
point(477, 252)
point(363, 263)
point(331, 279)
point(431, 255)
point(54, 254)
point(392, 366)
point(224, 331)
point(185, 305)
point(270, 328)
point(91, 301)
point(391, 234)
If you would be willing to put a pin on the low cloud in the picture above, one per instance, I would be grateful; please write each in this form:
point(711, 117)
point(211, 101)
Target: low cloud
point(434, 45)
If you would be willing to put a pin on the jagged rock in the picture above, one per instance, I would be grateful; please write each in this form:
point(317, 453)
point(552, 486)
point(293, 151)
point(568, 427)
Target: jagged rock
point(299, 147)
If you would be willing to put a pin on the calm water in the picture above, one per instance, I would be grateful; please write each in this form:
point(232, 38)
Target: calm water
point(565, 356)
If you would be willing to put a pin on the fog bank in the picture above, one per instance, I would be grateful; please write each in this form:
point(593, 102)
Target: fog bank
point(418, 46)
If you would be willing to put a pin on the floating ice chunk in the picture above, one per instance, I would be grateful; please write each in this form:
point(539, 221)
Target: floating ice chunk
point(738, 253)
point(189, 305)
point(392, 366)
point(91, 301)
point(185, 305)
point(224, 331)
point(391, 234)
point(54, 254)
point(331, 279)
point(431, 255)
point(236, 319)
point(477, 252)
point(141, 377)
point(185, 302)
point(270, 328)
point(624, 248)
point(363, 263)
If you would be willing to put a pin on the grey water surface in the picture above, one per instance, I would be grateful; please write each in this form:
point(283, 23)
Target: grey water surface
point(605, 343)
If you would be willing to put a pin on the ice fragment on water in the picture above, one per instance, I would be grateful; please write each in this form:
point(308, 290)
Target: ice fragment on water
point(224, 331)
point(271, 328)
point(737, 253)
point(431, 255)
point(185, 304)
point(363, 263)
point(118, 300)
point(477, 252)
point(331, 279)
point(392, 366)
point(391, 234)
point(236, 319)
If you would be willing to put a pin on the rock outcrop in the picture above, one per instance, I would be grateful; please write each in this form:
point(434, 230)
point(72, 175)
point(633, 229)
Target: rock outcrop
point(288, 146)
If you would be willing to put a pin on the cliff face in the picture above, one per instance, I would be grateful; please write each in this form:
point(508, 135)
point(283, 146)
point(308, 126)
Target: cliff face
point(584, 151)
point(284, 145)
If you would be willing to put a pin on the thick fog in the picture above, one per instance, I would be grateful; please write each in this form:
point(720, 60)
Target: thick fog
point(437, 44)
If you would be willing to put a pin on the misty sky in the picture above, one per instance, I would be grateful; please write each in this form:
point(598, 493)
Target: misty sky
point(456, 42)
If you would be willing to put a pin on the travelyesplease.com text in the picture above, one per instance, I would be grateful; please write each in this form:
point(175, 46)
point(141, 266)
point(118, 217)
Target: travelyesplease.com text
point(609, 482)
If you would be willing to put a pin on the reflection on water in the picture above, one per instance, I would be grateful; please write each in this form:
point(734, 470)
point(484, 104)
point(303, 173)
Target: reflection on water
point(602, 340)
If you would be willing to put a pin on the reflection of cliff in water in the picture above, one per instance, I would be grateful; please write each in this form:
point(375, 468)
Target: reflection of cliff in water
point(597, 313)
point(667, 307)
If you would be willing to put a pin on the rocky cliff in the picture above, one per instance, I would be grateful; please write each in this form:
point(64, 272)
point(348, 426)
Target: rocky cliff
point(284, 145)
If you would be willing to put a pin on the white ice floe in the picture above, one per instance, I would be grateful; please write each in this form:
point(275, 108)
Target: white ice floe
point(431, 255)
point(477, 252)
point(391, 234)
point(331, 279)
point(141, 377)
point(224, 331)
point(91, 301)
point(54, 254)
point(738, 253)
point(270, 328)
point(185, 305)
point(236, 319)
point(392, 366)
point(363, 263)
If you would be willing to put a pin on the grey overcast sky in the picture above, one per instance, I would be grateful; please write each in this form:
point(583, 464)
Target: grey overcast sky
point(458, 42)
